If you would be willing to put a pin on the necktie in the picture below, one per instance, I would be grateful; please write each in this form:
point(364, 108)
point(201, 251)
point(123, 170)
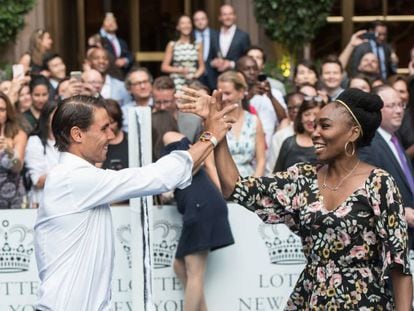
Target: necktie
point(404, 164)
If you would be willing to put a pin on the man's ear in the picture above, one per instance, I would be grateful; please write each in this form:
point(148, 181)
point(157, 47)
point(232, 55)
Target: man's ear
point(76, 134)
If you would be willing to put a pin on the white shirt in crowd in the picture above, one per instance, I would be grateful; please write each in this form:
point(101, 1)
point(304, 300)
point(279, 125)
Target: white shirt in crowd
point(74, 239)
point(266, 113)
point(274, 149)
point(225, 39)
point(39, 161)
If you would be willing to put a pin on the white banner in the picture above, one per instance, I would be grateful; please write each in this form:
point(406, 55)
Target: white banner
point(257, 273)
point(18, 271)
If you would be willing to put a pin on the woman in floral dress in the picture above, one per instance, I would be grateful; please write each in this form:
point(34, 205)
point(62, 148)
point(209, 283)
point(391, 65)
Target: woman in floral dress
point(347, 213)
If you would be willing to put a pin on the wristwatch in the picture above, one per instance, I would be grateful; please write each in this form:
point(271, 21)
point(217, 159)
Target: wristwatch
point(208, 136)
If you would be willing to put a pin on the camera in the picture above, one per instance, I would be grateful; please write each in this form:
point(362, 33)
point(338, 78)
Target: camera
point(261, 77)
point(370, 35)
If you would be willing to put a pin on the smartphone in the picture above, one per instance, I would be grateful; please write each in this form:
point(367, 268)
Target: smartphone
point(76, 75)
point(370, 35)
point(261, 77)
point(18, 71)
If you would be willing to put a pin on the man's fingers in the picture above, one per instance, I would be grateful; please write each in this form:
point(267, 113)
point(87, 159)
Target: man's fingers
point(188, 90)
point(217, 100)
point(182, 96)
point(226, 110)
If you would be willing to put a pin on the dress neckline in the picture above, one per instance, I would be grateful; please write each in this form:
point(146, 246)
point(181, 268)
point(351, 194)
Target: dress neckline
point(321, 198)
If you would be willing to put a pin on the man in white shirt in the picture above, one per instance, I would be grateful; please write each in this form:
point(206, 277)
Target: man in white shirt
point(74, 240)
point(268, 103)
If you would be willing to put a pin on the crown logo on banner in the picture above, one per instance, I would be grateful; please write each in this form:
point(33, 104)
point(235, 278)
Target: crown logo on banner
point(165, 242)
point(16, 247)
point(123, 233)
point(282, 249)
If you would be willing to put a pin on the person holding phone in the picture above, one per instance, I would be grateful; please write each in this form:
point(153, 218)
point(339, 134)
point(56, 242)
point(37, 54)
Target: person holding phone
point(270, 106)
point(12, 145)
point(375, 40)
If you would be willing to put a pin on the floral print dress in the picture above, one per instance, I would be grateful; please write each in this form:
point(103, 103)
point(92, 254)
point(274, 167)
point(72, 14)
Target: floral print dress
point(349, 249)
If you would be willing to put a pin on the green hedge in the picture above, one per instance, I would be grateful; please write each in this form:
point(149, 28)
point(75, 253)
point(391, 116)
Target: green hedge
point(292, 22)
point(12, 13)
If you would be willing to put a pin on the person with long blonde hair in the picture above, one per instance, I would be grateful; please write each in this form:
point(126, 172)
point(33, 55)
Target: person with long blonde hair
point(40, 43)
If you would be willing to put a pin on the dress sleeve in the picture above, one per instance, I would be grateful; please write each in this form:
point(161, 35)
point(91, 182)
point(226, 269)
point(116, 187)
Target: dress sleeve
point(278, 198)
point(390, 224)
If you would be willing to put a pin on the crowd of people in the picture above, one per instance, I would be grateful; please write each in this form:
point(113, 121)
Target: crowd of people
point(351, 121)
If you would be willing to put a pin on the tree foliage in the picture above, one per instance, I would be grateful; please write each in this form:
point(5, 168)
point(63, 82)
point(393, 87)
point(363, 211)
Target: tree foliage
point(292, 22)
point(12, 13)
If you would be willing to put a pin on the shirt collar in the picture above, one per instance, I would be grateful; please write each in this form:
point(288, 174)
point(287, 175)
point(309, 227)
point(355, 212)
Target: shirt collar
point(106, 34)
point(232, 29)
point(387, 136)
point(73, 160)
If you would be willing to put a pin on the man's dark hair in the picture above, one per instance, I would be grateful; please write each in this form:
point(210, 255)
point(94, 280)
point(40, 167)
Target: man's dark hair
point(332, 59)
point(137, 69)
point(305, 106)
point(73, 111)
point(377, 23)
point(42, 129)
point(114, 111)
point(256, 47)
point(48, 57)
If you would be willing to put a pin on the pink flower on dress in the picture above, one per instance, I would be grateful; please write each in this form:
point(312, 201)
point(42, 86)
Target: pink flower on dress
point(320, 274)
point(335, 280)
point(315, 206)
point(345, 238)
point(282, 198)
point(267, 202)
point(376, 208)
point(343, 210)
point(358, 252)
point(365, 273)
point(370, 238)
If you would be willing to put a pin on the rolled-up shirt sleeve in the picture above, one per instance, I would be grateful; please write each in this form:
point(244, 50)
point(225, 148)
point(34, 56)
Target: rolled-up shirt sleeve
point(87, 186)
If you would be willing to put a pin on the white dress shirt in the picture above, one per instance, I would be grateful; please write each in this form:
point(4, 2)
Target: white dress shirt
point(277, 140)
point(226, 36)
point(74, 239)
point(39, 161)
point(266, 113)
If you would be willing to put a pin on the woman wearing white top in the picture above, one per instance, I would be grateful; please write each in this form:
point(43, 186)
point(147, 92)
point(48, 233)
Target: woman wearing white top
point(41, 155)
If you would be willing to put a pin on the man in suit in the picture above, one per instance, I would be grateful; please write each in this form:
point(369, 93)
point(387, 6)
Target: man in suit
point(232, 42)
point(208, 37)
point(387, 153)
point(115, 46)
point(379, 47)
